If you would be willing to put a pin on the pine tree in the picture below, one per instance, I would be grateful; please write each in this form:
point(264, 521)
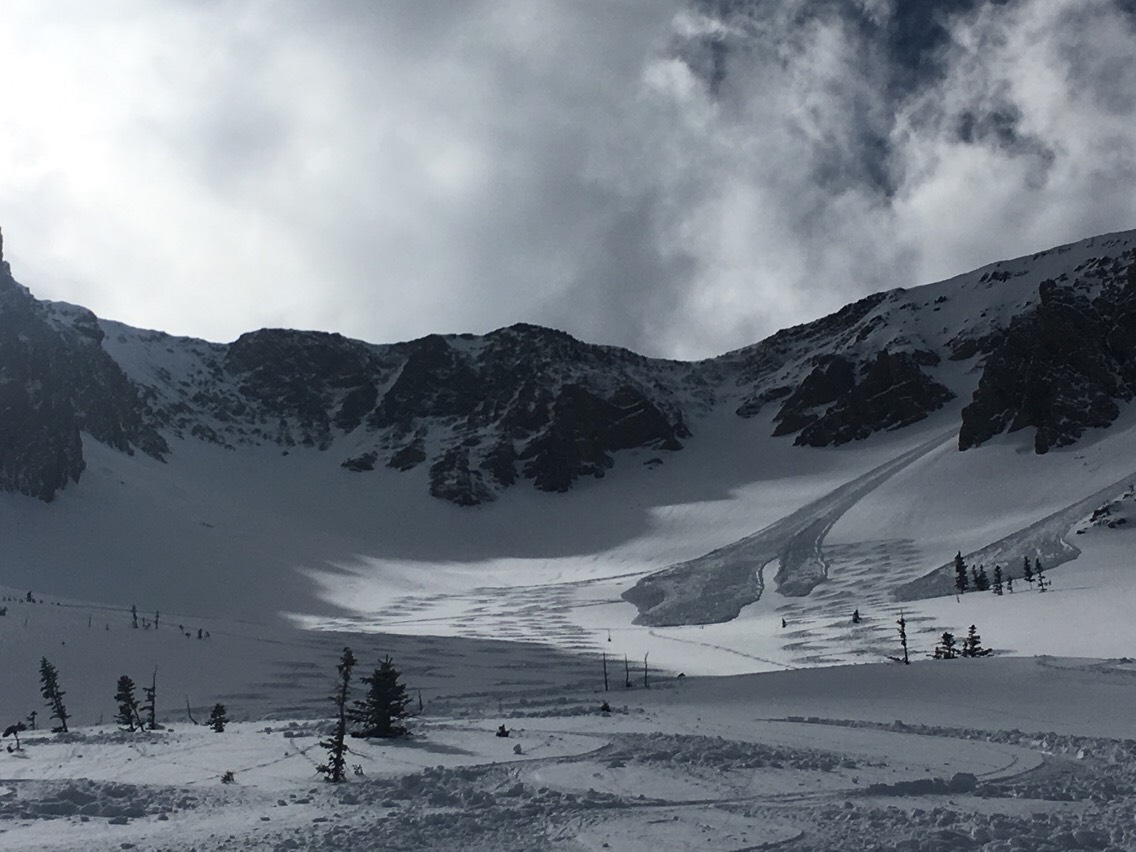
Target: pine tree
point(946, 649)
point(856, 616)
point(1010, 585)
point(335, 745)
point(52, 694)
point(997, 579)
point(1042, 583)
point(982, 583)
point(902, 622)
point(150, 703)
point(384, 705)
point(961, 581)
point(218, 719)
point(127, 715)
point(1027, 570)
point(14, 731)
point(972, 644)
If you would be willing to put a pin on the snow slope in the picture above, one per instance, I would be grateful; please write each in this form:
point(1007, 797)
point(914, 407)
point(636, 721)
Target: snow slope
point(994, 754)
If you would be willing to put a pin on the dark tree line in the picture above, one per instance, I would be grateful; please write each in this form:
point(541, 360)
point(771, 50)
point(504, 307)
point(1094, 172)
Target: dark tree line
point(967, 577)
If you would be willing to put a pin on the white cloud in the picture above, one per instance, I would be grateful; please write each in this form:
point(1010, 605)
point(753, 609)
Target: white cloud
point(389, 170)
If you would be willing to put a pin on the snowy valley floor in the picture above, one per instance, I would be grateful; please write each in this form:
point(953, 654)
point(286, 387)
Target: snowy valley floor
point(968, 754)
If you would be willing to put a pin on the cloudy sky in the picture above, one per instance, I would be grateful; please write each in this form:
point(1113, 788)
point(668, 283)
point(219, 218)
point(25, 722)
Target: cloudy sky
point(677, 176)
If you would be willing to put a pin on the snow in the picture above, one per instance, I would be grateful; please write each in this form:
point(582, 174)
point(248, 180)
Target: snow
point(809, 759)
point(784, 727)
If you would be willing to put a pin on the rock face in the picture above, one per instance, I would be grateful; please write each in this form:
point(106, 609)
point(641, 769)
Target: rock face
point(56, 381)
point(839, 402)
point(1061, 368)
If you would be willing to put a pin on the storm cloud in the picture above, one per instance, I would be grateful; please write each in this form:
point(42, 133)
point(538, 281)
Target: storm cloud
point(680, 178)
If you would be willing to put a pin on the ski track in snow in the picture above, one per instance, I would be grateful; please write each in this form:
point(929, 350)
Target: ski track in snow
point(639, 778)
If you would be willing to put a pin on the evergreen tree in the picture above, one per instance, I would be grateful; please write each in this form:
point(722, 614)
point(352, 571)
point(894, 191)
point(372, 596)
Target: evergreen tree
point(961, 581)
point(902, 622)
point(14, 731)
point(127, 715)
point(218, 719)
point(52, 694)
point(856, 616)
point(335, 745)
point(972, 644)
point(149, 705)
point(1010, 585)
point(385, 704)
point(134, 616)
point(982, 582)
point(1027, 570)
point(1042, 582)
point(946, 649)
point(997, 579)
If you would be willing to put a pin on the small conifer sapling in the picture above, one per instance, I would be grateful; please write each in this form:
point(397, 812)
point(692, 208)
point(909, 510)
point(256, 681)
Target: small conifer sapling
point(218, 719)
point(972, 644)
point(946, 649)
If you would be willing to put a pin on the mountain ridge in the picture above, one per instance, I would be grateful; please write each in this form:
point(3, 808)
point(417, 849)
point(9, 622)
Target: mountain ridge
point(524, 403)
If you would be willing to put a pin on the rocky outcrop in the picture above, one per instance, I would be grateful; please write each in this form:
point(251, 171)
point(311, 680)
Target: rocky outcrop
point(838, 401)
point(1060, 368)
point(584, 429)
point(56, 381)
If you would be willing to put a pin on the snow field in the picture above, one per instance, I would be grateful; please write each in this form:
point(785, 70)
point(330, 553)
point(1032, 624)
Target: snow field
point(689, 763)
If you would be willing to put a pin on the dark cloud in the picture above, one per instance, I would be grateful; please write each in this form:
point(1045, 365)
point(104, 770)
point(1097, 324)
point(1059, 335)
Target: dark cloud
point(677, 177)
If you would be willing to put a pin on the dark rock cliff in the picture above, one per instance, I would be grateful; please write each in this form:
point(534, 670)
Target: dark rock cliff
point(1061, 368)
point(55, 382)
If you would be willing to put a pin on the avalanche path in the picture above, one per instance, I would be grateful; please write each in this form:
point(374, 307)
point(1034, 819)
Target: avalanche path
point(715, 587)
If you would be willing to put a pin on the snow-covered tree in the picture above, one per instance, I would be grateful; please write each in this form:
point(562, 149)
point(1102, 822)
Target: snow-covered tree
point(384, 705)
point(997, 579)
point(1027, 570)
point(52, 694)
